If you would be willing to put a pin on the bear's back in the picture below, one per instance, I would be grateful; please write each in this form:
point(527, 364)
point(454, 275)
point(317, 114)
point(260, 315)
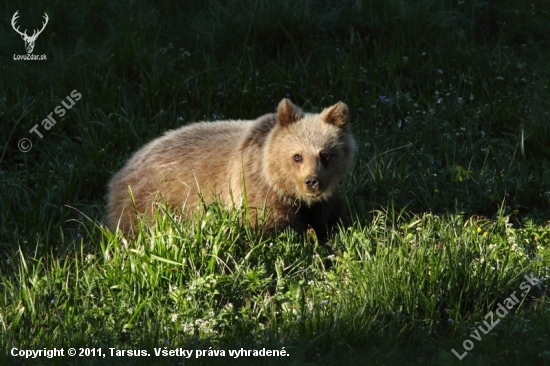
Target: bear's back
point(175, 167)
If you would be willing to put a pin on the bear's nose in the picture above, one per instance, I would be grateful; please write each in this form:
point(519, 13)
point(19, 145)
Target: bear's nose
point(312, 183)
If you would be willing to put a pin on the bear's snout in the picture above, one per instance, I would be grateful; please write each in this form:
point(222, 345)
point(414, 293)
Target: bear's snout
point(312, 183)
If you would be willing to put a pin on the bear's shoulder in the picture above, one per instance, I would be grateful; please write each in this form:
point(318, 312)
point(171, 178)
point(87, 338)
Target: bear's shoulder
point(258, 131)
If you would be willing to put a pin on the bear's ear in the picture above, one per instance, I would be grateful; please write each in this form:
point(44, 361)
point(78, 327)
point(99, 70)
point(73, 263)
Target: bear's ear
point(336, 115)
point(288, 113)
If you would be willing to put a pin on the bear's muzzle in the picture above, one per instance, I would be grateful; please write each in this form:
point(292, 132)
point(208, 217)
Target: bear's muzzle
point(313, 185)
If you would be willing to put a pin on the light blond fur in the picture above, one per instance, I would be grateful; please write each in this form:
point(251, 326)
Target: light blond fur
point(220, 160)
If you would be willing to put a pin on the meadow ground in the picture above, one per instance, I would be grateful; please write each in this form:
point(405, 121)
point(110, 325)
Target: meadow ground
point(448, 257)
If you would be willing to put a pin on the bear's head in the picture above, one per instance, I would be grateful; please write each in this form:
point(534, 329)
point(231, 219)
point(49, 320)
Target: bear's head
point(305, 154)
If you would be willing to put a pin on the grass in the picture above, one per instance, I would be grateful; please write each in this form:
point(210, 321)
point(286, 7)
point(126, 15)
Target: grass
point(450, 191)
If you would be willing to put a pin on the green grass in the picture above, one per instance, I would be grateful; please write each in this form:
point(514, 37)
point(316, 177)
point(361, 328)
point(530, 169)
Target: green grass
point(449, 194)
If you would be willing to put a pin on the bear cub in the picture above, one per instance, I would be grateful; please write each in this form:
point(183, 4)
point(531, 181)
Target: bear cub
point(288, 163)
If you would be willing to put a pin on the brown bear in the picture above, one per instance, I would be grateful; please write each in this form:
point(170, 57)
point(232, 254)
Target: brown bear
point(288, 163)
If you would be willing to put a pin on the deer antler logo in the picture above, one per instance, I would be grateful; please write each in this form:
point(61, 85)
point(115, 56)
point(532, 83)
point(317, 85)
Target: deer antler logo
point(29, 41)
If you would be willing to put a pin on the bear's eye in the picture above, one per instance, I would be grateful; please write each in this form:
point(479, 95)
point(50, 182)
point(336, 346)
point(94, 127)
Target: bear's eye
point(298, 158)
point(324, 156)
